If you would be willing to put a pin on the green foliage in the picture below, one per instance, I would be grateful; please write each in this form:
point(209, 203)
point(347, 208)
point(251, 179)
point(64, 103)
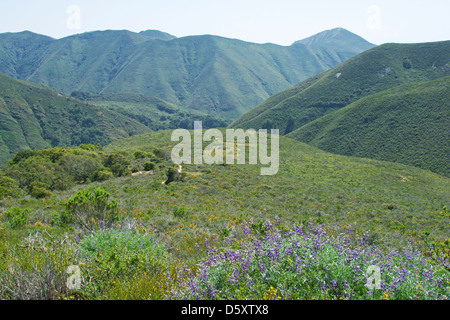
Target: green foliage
point(17, 217)
point(393, 202)
point(9, 188)
point(172, 175)
point(118, 164)
point(39, 190)
point(180, 213)
point(102, 174)
point(407, 64)
point(148, 166)
point(90, 209)
point(112, 258)
point(35, 117)
point(80, 167)
point(42, 171)
point(154, 113)
point(138, 154)
point(360, 107)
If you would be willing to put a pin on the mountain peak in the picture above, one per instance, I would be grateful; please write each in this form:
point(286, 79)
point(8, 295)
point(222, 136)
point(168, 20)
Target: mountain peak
point(157, 35)
point(336, 38)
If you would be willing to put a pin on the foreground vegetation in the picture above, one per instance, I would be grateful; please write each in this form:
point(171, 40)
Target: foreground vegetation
point(138, 228)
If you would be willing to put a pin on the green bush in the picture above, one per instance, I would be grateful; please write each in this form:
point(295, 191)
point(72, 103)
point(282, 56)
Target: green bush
point(148, 166)
point(138, 154)
point(90, 208)
point(172, 175)
point(17, 217)
point(9, 188)
point(180, 212)
point(118, 164)
point(113, 256)
point(80, 167)
point(39, 190)
point(102, 174)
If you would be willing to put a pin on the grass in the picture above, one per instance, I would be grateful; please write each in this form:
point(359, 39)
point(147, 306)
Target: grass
point(187, 220)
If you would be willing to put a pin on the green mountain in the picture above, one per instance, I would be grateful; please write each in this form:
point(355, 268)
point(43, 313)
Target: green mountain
point(372, 71)
point(157, 35)
point(339, 39)
point(21, 52)
point(36, 117)
point(223, 77)
point(407, 124)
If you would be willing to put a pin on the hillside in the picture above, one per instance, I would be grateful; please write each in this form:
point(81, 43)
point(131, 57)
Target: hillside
point(406, 124)
point(129, 229)
point(372, 71)
point(154, 113)
point(220, 76)
point(36, 117)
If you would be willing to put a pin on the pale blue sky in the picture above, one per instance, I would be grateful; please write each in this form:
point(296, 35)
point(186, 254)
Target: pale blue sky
point(277, 21)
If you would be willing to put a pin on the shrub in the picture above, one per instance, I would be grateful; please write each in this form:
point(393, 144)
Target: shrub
point(113, 257)
point(90, 208)
point(9, 188)
point(37, 271)
point(180, 212)
point(148, 166)
point(80, 167)
point(39, 190)
point(102, 174)
point(172, 175)
point(138, 154)
point(118, 164)
point(17, 217)
point(407, 64)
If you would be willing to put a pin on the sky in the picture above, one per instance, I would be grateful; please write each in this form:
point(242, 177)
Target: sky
point(277, 21)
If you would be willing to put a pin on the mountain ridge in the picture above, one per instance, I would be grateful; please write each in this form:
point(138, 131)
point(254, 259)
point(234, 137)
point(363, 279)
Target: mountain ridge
point(221, 76)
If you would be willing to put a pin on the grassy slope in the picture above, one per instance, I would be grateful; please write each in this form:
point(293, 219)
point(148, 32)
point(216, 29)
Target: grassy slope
point(386, 200)
point(155, 113)
point(311, 183)
point(406, 124)
point(391, 201)
point(222, 76)
point(370, 72)
point(35, 117)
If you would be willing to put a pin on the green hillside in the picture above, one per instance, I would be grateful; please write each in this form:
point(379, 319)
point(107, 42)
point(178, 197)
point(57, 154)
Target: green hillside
point(223, 77)
point(408, 124)
point(372, 71)
point(104, 226)
point(35, 117)
point(154, 113)
point(21, 52)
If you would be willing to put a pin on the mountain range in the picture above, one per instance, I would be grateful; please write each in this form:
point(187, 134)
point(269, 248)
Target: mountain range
point(211, 74)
